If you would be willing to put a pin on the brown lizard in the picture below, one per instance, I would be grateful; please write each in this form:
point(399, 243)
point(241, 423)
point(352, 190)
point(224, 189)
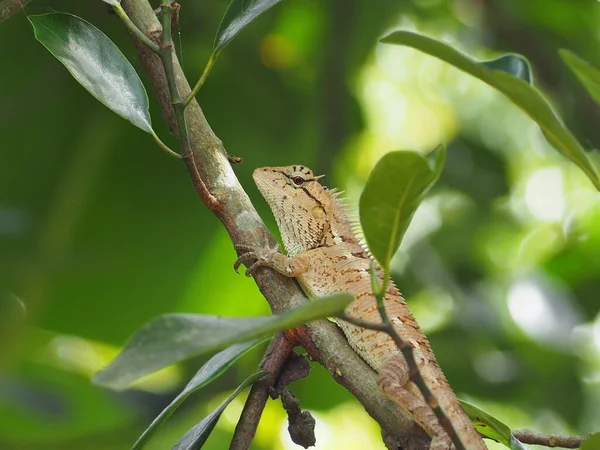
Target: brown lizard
point(325, 255)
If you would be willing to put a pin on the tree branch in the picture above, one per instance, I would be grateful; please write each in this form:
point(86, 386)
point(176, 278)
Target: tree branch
point(9, 7)
point(548, 440)
point(209, 164)
point(275, 357)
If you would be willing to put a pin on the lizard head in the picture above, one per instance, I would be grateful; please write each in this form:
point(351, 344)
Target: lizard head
point(303, 208)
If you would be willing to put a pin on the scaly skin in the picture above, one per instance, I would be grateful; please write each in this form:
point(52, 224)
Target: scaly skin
point(325, 256)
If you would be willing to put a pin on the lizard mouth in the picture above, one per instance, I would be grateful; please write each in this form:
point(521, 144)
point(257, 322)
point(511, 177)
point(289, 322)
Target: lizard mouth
point(269, 189)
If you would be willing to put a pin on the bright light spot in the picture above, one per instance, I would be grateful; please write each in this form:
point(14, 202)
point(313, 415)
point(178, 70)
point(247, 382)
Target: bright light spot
point(596, 334)
point(402, 99)
point(496, 367)
point(528, 307)
point(543, 312)
point(544, 194)
point(75, 352)
point(387, 103)
point(277, 52)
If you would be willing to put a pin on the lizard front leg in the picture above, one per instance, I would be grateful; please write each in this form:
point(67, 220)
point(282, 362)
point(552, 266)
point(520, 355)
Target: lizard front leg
point(395, 383)
point(253, 258)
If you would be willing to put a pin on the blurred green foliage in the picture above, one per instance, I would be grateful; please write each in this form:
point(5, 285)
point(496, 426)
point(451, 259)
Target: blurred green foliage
point(100, 231)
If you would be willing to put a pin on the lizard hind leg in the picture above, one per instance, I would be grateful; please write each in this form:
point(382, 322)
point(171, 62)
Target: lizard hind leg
point(395, 384)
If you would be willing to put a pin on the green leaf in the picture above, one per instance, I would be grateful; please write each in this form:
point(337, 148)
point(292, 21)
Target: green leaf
point(96, 63)
point(239, 14)
point(209, 372)
point(514, 65)
point(519, 91)
point(491, 427)
point(591, 443)
point(112, 2)
point(588, 75)
point(174, 337)
point(395, 187)
point(196, 436)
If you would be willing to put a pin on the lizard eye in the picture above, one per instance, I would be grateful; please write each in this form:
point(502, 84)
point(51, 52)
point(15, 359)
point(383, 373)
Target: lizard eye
point(298, 180)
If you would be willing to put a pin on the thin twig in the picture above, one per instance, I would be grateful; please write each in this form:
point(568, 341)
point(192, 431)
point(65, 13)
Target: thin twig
point(363, 323)
point(548, 440)
point(414, 373)
point(416, 377)
point(274, 359)
point(407, 350)
point(209, 65)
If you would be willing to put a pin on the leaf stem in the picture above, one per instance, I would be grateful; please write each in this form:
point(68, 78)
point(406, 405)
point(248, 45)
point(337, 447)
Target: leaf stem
point(209, 65)
point(120, 12)
point(164, 146)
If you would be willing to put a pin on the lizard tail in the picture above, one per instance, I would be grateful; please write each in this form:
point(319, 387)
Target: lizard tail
point(395, 384)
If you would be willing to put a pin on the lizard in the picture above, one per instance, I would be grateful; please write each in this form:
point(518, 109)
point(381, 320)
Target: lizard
point(325, 255)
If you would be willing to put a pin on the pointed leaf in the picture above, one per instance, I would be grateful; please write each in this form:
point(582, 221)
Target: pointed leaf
point(173, 337)
point(96, 63)
point(239, 14)
point(591, 443)
point(214, 368)
point(395, 187)
point(588, 75)
point(519, 91)
point(491, 427)
point(197, 436)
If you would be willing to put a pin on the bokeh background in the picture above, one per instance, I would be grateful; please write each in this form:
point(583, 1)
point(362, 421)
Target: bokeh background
point(100, 231)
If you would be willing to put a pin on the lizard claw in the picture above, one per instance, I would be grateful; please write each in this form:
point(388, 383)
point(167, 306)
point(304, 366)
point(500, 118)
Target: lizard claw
point(246, 253)
point(254, 258)
point(241, 260)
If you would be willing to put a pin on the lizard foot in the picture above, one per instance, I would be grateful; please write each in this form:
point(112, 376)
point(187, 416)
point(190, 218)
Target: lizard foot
point(253, 257)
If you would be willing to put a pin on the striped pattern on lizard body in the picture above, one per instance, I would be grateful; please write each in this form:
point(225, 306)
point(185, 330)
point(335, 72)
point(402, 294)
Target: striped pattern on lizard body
point(325, 256)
